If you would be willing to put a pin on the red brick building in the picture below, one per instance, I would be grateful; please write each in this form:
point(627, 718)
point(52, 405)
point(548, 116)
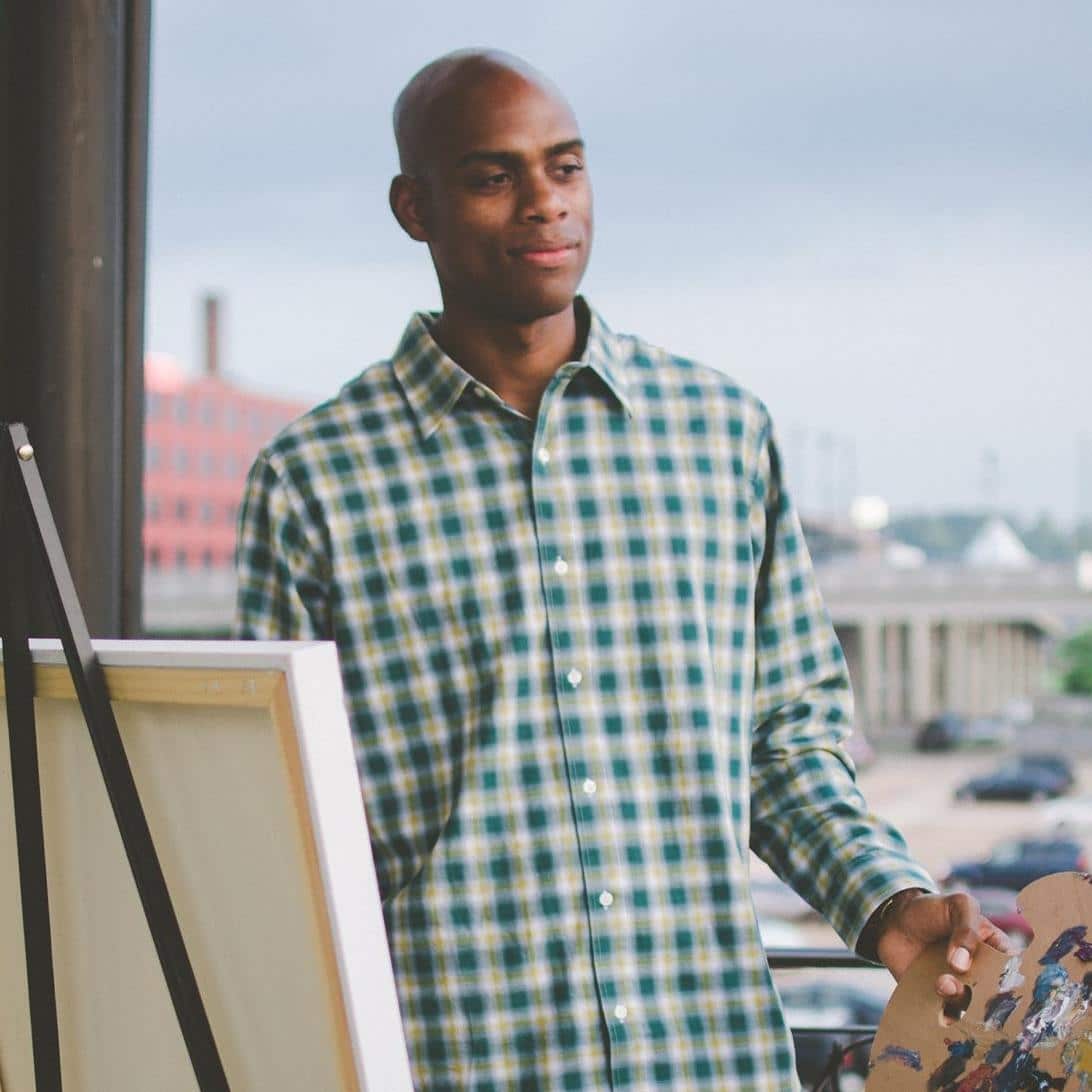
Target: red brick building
point(201, 435)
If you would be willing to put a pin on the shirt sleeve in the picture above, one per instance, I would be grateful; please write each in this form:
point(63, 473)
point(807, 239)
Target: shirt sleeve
point(281, 565)
point(809, 821)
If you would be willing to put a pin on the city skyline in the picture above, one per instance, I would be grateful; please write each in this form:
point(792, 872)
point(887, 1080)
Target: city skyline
point(877, 220)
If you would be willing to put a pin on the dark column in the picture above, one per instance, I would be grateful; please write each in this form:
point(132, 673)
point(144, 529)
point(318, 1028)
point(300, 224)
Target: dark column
point(73, 125)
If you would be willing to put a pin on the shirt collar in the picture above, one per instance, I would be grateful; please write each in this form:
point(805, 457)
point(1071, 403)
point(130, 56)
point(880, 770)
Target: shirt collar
point(433, 382)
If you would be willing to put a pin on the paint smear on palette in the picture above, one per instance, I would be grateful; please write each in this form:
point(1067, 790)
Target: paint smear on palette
point(1077, 1059)
point(960, 1052)
point(903, 1055)
point(1066, 942)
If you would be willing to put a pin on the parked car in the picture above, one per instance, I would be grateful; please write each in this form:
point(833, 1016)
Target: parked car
point(951, 730)
point(1056, 764)
point(1037, 778)
point(942, 733)
point(1072, 814)
point(1015, 864)
point(999, 905)
point(834, 1005)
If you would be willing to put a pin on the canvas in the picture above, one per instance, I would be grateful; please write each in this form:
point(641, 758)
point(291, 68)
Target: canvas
point(243, 760)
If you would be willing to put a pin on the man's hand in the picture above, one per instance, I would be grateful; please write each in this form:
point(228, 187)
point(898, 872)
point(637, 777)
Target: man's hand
point(919, 920)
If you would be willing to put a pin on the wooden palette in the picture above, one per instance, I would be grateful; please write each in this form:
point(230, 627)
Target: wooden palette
point(1027, 1022)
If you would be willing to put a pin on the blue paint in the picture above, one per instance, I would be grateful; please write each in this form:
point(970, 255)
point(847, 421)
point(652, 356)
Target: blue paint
point(960, 1051)
point(903, 1055)
point(999, 1008)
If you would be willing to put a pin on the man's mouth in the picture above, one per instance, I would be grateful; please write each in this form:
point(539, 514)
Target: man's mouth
point(545, 255)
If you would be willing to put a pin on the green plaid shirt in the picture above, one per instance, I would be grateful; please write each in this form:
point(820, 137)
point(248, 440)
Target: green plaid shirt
point(569, 723)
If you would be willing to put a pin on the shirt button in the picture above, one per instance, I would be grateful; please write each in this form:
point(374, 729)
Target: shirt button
point(589, 786)
point(561, 566)
point(620, 1013)
point(575, 678)
point(479, 392)
point(606, 899)
point(544, 455)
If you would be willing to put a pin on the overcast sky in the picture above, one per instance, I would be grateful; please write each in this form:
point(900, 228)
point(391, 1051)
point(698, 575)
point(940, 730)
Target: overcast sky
point(877, 216)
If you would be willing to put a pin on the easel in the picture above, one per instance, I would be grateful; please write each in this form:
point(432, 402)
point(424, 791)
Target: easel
point(27, 533)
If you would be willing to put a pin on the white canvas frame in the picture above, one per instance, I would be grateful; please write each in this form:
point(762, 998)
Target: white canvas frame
point(243, 758)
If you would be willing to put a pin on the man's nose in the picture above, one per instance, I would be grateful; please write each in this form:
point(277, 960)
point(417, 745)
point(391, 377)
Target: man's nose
point(542, 199)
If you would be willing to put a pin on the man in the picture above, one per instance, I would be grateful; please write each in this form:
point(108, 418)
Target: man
point(584, 655)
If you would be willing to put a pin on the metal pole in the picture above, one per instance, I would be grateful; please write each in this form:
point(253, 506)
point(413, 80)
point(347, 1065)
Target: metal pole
point(74, 128)
point(135, 223)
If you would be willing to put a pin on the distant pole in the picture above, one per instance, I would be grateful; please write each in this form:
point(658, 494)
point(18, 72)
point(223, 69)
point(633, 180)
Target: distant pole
point(849, 452)
point(73, 126)
point(797, 465)
point(1084, 476)
point(828, 471)
point(210, 328)
point(991, 481)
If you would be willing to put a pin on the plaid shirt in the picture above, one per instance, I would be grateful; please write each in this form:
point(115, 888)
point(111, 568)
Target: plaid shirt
point(569, 724)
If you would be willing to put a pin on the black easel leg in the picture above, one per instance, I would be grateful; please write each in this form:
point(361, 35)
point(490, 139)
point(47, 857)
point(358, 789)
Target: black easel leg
point(25, 491)
point(26, 786)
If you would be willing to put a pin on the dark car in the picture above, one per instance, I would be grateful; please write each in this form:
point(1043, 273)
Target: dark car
point(951, 730)
point(942, 733)
point(1018, 780)
point(829, 1008)
point(1058, 765)
point(1017, 863)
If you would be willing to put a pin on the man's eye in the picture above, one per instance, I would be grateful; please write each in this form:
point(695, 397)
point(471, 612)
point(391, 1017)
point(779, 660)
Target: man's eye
point(492, 181)
point(569, 168)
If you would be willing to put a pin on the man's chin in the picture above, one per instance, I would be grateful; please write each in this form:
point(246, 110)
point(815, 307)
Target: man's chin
point(529, 308)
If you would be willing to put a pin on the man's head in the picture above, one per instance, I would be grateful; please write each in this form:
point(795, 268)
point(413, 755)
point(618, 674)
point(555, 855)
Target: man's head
point(494, 181)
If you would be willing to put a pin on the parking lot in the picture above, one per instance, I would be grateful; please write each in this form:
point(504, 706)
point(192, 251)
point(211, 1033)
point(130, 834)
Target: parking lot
point(916, 792)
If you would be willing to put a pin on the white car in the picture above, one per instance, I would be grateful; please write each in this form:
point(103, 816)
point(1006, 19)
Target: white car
point(1072, 813)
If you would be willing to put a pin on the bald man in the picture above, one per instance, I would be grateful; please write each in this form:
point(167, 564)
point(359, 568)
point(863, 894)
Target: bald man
point(585, 659)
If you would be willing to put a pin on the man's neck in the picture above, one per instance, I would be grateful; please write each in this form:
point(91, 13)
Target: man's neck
point(517, 360)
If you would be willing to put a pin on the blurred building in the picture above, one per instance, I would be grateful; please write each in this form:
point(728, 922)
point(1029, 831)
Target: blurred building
point(201, 434)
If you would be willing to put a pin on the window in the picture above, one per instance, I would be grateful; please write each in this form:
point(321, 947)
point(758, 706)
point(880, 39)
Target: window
point(181, 410)
point(180, 557)
point(155, 558)
point(155, 457)
point(206, 558)
point(153, 405)
point(153, 510)
point(208, 414)
point(182, 510)
point(181, 460)
point(206, 511)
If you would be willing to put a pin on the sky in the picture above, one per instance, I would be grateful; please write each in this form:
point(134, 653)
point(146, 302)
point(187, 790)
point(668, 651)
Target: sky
point(876, 216)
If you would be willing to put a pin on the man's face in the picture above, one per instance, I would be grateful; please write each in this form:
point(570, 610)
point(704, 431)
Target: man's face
point(507, 206)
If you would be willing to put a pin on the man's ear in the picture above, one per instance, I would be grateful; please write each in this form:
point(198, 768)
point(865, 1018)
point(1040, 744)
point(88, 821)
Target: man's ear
point(408, 200)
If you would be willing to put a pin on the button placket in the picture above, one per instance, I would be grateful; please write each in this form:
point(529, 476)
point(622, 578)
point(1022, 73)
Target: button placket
point(593, 826)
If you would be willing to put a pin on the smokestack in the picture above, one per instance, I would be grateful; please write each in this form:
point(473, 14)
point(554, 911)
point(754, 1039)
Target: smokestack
point(211, 310)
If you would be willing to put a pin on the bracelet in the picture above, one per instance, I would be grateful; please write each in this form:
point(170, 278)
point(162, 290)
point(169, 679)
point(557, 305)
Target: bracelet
point(868, 942)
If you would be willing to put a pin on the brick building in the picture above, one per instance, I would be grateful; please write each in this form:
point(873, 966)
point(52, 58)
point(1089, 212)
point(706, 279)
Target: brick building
point(201, 435)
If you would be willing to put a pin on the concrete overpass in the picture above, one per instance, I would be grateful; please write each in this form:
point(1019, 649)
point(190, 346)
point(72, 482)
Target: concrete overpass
point(948, 637)
point(918, 641)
